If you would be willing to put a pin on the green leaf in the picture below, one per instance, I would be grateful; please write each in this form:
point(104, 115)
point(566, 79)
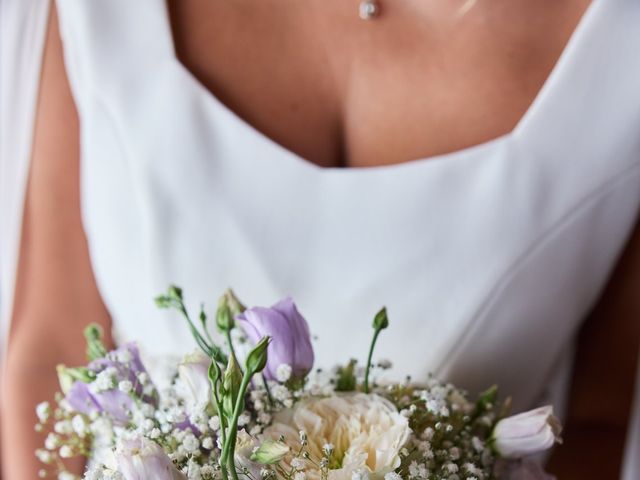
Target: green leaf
point(270, 452)
point(68, 376)
point(163, 301)
point(346, 381)
point(486, 400)
point(95, 347)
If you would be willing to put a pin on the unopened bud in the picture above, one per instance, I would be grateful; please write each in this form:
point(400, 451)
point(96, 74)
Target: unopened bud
point(381, 321)
point(224, 318)
point(257, 358)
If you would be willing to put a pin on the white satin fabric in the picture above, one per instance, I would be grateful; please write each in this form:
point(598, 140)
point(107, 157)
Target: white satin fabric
point(487, 258)
point(22, 32)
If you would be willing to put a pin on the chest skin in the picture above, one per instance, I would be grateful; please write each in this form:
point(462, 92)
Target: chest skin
point(419, 80)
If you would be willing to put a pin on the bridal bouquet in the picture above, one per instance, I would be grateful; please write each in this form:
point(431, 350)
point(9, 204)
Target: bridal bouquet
point(254, 408)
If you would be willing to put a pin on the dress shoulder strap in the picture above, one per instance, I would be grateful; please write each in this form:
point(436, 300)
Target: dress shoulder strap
point(593, 91)
point(112, 45)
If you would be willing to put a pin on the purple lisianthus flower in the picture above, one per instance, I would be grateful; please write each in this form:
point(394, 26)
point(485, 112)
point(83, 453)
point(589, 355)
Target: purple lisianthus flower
point(125, 360)
point(113, 402)
point(143, 459)
point(290, 349)
point(117, 379)
point(126, 355)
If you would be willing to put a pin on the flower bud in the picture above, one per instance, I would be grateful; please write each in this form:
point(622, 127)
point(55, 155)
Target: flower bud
point(527, 433)
point(224, 318)
point(257, 358)
point(270, 452)
point(231, 385)
point(234, 304)
point(175, 292)
point(214, 373)
point(289, 331)
point(381, 321)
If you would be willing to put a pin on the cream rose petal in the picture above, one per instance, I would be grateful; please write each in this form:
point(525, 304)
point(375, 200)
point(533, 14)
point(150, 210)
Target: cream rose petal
point(366, 431)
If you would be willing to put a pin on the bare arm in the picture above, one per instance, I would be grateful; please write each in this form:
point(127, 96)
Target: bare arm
point(602, 389)
point(56, 295)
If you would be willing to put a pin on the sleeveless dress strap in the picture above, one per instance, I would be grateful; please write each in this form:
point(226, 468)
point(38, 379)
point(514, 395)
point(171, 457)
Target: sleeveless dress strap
point(594, 84)
point(112, 46)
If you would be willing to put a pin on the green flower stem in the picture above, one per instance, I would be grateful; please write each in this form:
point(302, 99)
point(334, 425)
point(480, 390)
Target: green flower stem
point(223, 426)
point(231, 465)
point(196, 334)
point(227, 333)
point(174, 299)
point(228, 451)
point(203, 322)
point(268, 390)
point(366, 372)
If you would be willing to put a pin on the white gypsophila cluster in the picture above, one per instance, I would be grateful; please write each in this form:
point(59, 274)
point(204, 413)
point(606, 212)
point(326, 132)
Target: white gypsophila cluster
point(447, 433)
point(283, 372)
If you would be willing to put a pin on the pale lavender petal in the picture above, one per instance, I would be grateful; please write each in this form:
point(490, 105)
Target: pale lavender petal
point(187, 425)
point(302, 348)
point(129, 370)
point(290, 337)
point(81, 400)
point(143, 459)
point(116, 404)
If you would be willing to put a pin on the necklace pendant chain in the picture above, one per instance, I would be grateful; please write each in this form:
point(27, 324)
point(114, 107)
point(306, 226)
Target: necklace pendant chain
point(369, 9)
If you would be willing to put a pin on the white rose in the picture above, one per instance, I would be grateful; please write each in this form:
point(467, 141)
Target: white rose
point(365, 431)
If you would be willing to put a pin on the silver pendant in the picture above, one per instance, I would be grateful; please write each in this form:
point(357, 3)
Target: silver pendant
point(369, 9)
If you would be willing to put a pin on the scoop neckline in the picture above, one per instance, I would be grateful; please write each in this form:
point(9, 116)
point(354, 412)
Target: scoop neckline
point(551, 82)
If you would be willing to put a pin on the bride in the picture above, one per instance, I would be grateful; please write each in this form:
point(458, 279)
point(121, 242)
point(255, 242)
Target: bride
point(474, 166)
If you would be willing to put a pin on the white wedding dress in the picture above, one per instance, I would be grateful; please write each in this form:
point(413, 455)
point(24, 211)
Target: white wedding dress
point(487, 258)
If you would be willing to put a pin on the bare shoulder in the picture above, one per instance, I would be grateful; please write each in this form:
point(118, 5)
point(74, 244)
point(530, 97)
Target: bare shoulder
point(54, 272)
